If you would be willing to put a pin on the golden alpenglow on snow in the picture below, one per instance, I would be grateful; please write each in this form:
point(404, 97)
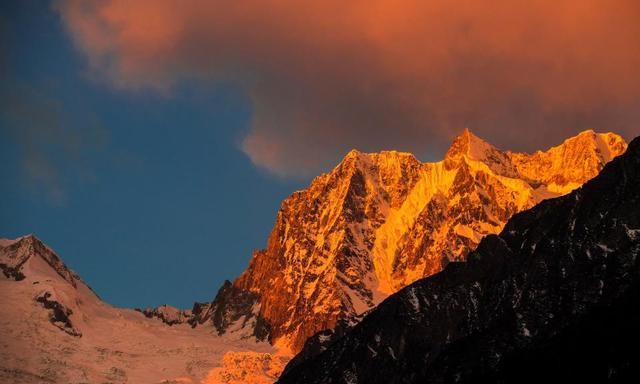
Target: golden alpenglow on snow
point(379, 221)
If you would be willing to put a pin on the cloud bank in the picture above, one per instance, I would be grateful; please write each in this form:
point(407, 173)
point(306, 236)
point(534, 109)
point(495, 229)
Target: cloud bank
point(326, 76)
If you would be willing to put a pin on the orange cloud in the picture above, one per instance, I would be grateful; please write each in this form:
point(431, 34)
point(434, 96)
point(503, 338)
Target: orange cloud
point(326, 76)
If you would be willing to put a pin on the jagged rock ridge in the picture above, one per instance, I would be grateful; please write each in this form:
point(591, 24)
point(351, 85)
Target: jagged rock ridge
point(168, 314)
point(380, 221)
point(554, 297)
point(15, 254)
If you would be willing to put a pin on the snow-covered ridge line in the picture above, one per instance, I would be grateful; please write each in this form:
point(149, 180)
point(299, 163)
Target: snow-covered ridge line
point(55, 329)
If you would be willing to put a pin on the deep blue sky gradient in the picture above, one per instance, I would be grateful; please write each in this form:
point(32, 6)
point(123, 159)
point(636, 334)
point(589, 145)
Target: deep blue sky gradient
point(156, 204)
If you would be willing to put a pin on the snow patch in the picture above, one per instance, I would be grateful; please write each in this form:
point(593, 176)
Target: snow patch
point(413, 299)
point(633, 234)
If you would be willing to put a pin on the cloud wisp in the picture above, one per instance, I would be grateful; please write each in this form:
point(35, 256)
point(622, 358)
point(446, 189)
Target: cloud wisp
point(54, 145)
point(326, 76)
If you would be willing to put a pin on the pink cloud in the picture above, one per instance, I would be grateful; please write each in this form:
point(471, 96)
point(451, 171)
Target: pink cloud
point(326, 76)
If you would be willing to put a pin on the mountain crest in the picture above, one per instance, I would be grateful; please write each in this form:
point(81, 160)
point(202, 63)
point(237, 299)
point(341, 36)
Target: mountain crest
point(567, 166)
point(384, 159)
point(468, 144)
point(380, 221)
point(604, 145)
point(15, 254)
point(467, 147)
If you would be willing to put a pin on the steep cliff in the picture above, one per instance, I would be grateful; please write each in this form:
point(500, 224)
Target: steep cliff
point(380, 221)
point(553, 297)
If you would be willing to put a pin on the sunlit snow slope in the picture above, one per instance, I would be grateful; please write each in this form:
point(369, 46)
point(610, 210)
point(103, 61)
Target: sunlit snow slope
point(54, 329)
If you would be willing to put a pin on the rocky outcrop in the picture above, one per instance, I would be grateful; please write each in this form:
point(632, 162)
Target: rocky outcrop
point(235, 306)
point(167, 314)
point(59, 314)
point(199, 313)
point(554, 296)
point(380, 221)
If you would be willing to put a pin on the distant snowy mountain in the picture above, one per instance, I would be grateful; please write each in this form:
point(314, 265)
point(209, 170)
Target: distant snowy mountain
point(380, 221)
point(55, 329)
point(555, 297)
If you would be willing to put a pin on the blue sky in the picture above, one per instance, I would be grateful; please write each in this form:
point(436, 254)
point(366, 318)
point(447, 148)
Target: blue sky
point(146, 196)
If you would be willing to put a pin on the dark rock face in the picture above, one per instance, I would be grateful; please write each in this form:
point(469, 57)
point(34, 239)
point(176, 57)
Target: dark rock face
point(13, 273)
point(319, 342)
point(59, 314)
point(232, 305)
point(167, 314)
point(554, 297)
point(198, 313)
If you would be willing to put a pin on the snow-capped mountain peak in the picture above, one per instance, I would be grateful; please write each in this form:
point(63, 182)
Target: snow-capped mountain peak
point(16, 257)
point(55, 329)
point(470, 145)
point(379, 221)
point(470, 148)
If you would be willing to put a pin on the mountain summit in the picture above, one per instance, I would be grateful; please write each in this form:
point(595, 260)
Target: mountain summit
point(553, 298)
point(380, 221)
point(470, 145)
